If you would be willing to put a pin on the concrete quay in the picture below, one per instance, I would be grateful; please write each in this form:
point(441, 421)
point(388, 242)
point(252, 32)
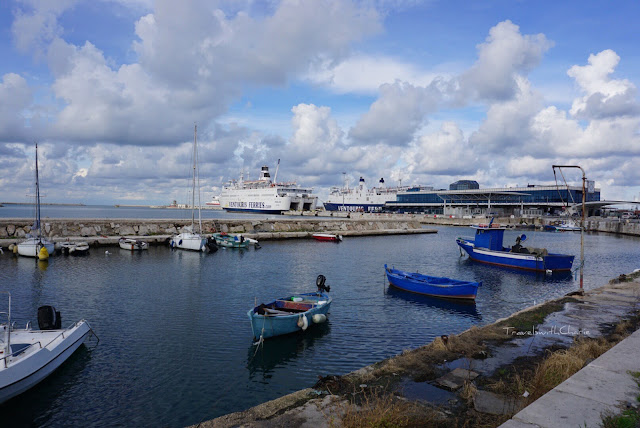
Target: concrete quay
point(157, 231)
point(604, 387)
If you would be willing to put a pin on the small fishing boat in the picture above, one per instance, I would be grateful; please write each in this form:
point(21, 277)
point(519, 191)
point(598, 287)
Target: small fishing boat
point(132, 244)
point(74, 248)
point(230, 241)
point(432, 285)
point(28, 356)
point(487, 248)
point(568, 226)
point(291, 314)
point(327, 237)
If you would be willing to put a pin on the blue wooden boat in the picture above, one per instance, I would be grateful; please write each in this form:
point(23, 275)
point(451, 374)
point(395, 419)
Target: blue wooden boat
point(487, 247)
point(432, 285)
point(291, 314)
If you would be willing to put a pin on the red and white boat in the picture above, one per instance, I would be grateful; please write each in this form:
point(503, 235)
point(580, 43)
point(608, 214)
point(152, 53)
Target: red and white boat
point(327, 237)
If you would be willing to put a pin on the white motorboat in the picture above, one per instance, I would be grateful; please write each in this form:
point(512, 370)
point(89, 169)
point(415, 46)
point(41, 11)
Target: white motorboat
point(75, 248)
point(132, 244)
point(189, 239)
point(28, 356)
point(35, 243)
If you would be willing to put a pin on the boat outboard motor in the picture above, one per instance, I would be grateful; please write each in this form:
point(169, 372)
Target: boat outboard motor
point(320, 280)
point(49, 318)
point(211, 245)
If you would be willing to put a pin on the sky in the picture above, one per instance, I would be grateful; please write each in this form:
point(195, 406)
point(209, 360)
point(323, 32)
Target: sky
point(417, 92)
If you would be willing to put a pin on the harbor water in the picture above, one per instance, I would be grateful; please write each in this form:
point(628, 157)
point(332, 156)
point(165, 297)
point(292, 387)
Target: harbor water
point(175, 342)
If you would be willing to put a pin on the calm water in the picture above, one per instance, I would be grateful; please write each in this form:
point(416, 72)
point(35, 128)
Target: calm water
point(175, 342)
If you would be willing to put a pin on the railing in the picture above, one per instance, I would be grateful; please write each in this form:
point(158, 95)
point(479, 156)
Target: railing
point(26, 348)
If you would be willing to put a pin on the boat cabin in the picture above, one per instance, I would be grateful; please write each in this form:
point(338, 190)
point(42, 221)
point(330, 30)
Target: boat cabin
point(489, 236)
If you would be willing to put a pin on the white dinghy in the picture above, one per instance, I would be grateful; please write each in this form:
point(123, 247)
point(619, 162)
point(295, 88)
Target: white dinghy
point(28, 356)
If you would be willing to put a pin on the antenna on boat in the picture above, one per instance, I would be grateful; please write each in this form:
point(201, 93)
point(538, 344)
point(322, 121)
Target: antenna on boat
point(275, 177)
point(584, 182)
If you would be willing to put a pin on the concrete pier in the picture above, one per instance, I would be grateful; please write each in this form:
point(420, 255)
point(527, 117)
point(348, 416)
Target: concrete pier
point(157, 231)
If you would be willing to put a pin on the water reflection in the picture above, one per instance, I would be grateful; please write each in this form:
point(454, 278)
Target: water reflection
point(462, 307)
point(278, 351)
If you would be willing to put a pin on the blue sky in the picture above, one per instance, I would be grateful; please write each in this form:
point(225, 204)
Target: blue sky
point(424, 92)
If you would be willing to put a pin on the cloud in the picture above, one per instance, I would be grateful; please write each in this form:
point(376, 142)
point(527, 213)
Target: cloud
point(442, 153)
point(504, 56)
point(365, 74)
point(36, 25)
point(15, 98)
point(397, 114)
point(604, 97)
point(507, 126)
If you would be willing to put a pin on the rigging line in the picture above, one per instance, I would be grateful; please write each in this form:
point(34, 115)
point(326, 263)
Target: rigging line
point(558, 187)
point(568, 192)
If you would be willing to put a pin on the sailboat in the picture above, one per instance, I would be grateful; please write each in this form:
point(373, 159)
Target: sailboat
point(36, 245)
point(189, 239)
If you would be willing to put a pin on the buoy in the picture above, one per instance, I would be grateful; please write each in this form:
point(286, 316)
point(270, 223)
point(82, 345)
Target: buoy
point(13, 248)
point(303, 322)
point(107, 252)
point(43, 254)
point(549, 271)
point(319, 318)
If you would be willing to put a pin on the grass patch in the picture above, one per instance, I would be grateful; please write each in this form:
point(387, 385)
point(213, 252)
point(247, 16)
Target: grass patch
point(376, 409)
point(527, 320)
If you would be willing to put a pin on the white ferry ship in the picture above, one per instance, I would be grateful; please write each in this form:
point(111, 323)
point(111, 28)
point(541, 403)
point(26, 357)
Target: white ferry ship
point(360, 198)
point(266, 196)
point(214, 203)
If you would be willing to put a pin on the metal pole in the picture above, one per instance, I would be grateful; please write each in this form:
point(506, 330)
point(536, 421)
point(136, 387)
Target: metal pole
point(584, 181)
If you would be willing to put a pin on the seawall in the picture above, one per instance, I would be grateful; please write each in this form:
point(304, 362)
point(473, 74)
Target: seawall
point(107, 231)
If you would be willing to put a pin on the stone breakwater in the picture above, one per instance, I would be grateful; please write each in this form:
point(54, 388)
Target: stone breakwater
point(157, 230)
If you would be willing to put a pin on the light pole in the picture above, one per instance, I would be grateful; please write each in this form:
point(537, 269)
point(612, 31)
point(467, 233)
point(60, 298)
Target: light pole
point(584, 182)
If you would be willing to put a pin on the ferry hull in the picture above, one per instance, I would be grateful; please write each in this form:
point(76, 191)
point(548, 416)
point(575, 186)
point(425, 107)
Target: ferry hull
point(370, 208)
point(553, 262)
point(247, 210)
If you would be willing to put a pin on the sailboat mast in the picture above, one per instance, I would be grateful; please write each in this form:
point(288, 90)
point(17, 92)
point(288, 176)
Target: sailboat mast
point(37, 197)
point(197, 175)
point(193, 185)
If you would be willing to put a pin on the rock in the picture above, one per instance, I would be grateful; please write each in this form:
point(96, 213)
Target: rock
point(88, 231)
point(456, 378)
point(126, 230)
point(11, 229)
point(494, 404)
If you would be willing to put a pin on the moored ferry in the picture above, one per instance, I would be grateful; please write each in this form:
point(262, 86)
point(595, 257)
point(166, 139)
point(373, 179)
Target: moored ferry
point(266, 196)
point(360, 198)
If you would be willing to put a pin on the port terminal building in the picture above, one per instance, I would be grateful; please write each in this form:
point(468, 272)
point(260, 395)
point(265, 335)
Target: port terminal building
point(466, 198)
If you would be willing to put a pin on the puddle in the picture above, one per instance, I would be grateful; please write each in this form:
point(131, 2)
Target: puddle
point(425, 391)
point(558, 329)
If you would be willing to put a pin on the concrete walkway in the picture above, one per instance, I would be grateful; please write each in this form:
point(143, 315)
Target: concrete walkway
point(604, 385)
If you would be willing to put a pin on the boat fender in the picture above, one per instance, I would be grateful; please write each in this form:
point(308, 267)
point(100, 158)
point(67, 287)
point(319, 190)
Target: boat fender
point(303, 322)
point(43, 254)
point(319, 318)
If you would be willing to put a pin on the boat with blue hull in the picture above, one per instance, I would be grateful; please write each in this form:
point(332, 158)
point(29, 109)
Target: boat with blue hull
point(432, 285)
point(487, 247)
point(291, 314)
